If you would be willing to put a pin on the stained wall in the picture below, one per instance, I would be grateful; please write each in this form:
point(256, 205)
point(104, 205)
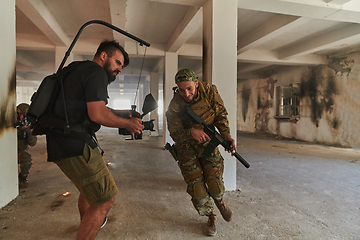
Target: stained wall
point(329, 103)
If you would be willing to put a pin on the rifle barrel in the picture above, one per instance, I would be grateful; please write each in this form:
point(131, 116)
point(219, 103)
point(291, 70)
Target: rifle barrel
point(242, 160)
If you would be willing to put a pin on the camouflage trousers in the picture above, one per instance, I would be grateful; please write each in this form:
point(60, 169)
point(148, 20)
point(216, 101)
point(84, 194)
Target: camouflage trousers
point(25, 161)
point(203, 176)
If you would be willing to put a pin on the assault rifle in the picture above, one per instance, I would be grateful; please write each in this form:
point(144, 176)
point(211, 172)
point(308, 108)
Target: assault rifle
point(215, 137)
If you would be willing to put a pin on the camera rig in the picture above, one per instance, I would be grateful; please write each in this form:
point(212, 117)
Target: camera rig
point(148, 106)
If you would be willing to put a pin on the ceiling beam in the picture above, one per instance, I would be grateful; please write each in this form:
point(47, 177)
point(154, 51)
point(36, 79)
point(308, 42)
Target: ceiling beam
point(136, 12)
point(271, 29)
point(133, 48)
point(27, 59)
point(315, 9)
point(40, 15)
point(191, 50)
point(342, 36)
point(272, 57)
point(191, 22)
point(338, 2)
point(33, 42)
point(195, 3)
point(349, 12)
point(118, 18)
point(251, 67)
point(46, 67)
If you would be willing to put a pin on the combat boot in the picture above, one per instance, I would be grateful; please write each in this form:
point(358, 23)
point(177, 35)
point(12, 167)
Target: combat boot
point(210, 227)
point(224, 209)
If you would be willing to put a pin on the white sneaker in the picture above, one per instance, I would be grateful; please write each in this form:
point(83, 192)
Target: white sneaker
point(103, 224)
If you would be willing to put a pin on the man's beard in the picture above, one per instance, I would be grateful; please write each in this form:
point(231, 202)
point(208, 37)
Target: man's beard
point(191, 101)
point(109, 73)
point(193, 98)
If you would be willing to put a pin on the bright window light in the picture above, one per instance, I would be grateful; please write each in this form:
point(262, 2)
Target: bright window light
point(160, 107)
point(122, 104)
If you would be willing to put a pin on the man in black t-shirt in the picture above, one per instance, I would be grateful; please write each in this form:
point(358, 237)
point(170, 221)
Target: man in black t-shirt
point(75, 152)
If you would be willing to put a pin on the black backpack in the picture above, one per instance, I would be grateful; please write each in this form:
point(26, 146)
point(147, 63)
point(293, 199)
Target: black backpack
point(40, 114)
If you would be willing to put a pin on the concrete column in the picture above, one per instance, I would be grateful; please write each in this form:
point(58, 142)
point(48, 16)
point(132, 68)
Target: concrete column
point(154, 89)
point(219, 68)
point(9, 187)
point(171, 68)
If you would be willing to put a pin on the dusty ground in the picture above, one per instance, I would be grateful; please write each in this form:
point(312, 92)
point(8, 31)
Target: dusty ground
point(292, 190)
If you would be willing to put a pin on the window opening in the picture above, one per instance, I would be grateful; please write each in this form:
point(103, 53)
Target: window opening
point(288, 101)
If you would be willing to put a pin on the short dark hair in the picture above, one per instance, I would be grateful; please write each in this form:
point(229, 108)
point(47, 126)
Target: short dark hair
point(110, 47)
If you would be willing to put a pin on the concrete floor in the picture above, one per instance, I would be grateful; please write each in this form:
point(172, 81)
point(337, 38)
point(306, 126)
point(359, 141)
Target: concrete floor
point(292, 190)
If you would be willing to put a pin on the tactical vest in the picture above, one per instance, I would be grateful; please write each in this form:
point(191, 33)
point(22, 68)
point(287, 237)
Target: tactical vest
point(202, 108)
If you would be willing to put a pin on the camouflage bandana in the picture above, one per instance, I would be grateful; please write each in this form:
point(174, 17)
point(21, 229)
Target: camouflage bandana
point(185, 75)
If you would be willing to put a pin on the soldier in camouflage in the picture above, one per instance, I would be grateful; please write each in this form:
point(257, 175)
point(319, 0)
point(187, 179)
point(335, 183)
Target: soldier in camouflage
point(25, 139)
point(204, 176)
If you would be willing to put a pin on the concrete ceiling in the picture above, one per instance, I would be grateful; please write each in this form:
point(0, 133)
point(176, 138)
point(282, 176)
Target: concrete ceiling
point(271, 33)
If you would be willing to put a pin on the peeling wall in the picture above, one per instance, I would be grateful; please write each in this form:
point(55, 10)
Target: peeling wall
point(329, 103)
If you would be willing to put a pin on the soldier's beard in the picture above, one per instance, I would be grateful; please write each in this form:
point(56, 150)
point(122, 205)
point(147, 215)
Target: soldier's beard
point(193, 98)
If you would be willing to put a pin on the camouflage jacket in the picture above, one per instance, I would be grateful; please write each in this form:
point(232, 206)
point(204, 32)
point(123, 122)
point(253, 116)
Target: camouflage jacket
point(208, 105)
point(25, 139)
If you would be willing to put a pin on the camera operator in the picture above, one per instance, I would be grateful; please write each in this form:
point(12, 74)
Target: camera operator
point(25, 139)
point(76, 152)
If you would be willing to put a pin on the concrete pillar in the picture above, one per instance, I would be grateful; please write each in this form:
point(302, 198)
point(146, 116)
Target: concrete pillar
point(171, 68)
point(9, 187)
point(154, 89)
point(219, 65)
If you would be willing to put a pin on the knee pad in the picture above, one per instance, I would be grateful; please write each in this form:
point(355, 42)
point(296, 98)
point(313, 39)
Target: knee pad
point(199, 190)
point(215, 188)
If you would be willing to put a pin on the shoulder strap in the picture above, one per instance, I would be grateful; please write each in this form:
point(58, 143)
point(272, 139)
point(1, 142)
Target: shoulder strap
point(63, 74)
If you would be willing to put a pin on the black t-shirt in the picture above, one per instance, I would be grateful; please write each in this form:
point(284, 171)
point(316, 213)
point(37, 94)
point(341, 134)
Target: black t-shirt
point(87, 82)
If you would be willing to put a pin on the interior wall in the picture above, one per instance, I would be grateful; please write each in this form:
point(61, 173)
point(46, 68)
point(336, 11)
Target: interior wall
point(329, 103)
point(8, 143)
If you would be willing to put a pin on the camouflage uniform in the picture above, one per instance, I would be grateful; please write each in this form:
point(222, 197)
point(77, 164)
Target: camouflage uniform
point(204, 176)
point(25, 139)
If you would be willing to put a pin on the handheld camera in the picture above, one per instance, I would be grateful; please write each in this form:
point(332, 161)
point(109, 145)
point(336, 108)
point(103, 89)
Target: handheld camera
point(149, 105)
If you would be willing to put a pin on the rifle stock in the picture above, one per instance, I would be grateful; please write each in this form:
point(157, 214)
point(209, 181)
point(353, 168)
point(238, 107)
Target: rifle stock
point(216, 138)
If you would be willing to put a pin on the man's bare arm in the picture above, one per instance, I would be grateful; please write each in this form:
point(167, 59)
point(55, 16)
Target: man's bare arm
point(99, 113)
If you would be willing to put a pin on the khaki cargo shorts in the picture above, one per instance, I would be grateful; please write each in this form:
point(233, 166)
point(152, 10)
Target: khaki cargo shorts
point(90, 175)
